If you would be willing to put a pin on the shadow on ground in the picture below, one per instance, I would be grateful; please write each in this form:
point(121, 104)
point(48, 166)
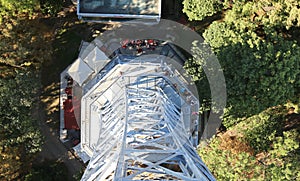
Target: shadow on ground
point(67, 35)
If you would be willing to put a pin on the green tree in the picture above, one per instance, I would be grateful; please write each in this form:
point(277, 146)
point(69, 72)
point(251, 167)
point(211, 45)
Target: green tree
point(10, 8)
point(199, 9)
point(273, 155)
point(23, 48)
point(261, 66)
point(20, 138)
point(257, 45)
point(283, 14)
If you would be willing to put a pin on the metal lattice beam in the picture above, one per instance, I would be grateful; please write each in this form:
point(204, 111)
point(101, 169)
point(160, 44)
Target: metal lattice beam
point(143, 135)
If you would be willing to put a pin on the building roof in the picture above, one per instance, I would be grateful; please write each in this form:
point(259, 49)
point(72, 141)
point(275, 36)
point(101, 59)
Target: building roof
point(145, 9)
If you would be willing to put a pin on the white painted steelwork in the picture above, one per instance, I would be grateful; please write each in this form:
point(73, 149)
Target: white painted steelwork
point(139, 126)
point(139, 120)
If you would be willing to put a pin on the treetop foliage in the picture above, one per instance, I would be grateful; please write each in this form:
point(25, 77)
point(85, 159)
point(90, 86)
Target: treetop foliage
point(281, 13)
point(272, 152)
point(199, 9)
point(20, 138)
point(23, 47)
point(261, 65)
point(9, 8)
point(257, 45)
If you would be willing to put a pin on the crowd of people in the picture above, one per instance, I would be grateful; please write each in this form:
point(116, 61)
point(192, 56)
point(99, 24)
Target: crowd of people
point(140, 46)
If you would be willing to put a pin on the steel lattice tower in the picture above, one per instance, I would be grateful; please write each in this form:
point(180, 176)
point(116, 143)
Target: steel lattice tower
point(138, 117)
point(147, 128)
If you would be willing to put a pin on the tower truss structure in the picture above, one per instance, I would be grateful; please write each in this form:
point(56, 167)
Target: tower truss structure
point(139, 121)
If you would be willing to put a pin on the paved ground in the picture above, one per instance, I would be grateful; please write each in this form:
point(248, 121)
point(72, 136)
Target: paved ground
point(53, 149)
point(47, 111)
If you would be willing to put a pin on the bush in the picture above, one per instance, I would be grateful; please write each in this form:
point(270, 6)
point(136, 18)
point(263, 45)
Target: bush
point(51, 7)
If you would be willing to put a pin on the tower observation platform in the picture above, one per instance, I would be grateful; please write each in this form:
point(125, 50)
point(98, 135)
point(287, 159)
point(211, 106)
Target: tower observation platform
point(136, 114)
